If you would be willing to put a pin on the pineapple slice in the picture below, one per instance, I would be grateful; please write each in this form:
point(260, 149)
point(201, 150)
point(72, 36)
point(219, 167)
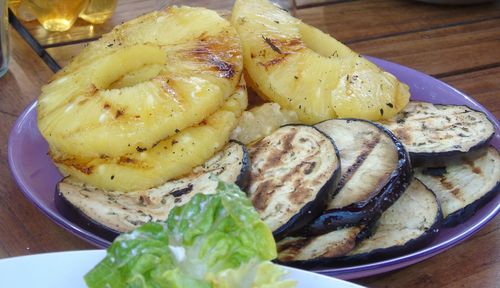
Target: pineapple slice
point(168, 159)
point(143, 82)
point(307, 71)
point(261, 121)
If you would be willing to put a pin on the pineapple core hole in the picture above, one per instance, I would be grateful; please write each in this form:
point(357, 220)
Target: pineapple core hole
point(138, 76)
point(128, 66)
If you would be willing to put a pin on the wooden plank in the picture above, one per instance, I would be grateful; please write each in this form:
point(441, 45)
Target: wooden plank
point(21, 85)
point(441, 52)
point(482, 85)
point(24, 229)
point(366, 19)
point(63, 54)
point(313, 3)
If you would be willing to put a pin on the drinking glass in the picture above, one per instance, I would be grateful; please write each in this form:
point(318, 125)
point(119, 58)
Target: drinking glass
point(4, 38)
point(22, 10)
point(98, 11)
point(57, 15)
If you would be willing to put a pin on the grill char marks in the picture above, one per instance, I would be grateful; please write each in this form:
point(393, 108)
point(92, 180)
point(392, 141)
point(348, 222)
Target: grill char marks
point(280, 49)
point(277, 152)
point(301, 251)
point(461, 187)
point(213, 51)
point(293, 173)
point(301, 192)
point(183, 191)
point(363, 155)
point(289, 248)
point(262, 194)
point(277, 158)
point(82, 166)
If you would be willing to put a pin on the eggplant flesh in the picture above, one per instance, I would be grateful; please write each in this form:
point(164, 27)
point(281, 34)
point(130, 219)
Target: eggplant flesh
point(317, 250)
point(464, 185)
point(411, 222)
point(292, 176)
point(118, 212)
point(375, 172)
point(434, 134)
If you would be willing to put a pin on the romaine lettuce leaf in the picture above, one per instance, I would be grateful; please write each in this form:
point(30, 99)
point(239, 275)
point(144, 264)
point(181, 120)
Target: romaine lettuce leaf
point(215, 240)
point(251, 274)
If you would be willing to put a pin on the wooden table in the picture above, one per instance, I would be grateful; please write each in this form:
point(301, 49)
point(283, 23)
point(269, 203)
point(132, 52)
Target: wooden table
point(459, 45)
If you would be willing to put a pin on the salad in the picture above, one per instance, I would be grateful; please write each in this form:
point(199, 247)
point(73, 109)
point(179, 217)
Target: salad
point(214, 240)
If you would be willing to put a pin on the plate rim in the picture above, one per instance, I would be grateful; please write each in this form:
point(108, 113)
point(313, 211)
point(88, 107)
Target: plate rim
point(350, 272)
point(98, 254)
point(56, 218)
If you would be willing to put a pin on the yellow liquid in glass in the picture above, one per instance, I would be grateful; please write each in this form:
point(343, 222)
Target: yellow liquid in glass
point(13, 4)
point(98, 11)
point(57, 15)
point(22, 10)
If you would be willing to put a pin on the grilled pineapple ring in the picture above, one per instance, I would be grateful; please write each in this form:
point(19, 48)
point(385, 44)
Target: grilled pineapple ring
point(143, 82)
point(170, 158)
point(307, 71)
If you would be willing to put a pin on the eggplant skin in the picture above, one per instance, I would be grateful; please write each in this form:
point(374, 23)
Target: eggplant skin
point(309, 211)
point(395, 251)
point(243, 178)
point(400, 249)
point(79, 218)
point(442, 158)
point(462, 215)
point(364, 213)
point(293, 175)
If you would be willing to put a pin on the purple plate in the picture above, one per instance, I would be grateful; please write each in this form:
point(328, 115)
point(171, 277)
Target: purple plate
point(37, 176)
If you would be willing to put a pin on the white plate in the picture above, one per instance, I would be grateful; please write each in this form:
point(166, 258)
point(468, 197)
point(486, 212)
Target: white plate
point(66, 270)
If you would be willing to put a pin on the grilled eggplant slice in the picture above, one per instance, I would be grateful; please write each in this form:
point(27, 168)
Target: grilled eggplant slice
point(124, 211)
point(375, 172)
point(292, 176)
point(433, 133)
point(464, 185)
point(410, 223)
